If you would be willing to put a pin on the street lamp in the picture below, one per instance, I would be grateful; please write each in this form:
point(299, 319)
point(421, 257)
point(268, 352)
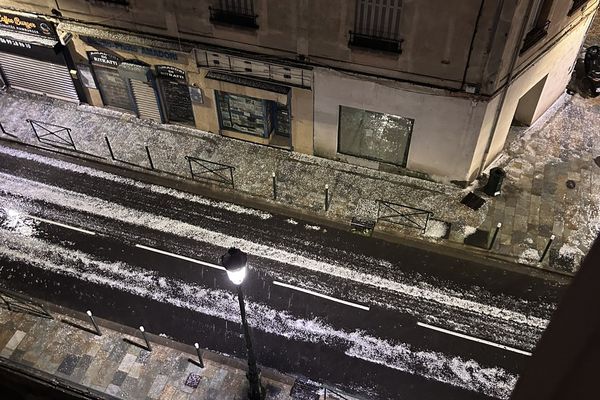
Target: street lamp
point(235, 262)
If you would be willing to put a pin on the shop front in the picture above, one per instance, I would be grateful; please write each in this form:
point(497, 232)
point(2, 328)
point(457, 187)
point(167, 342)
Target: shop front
point(33, 59)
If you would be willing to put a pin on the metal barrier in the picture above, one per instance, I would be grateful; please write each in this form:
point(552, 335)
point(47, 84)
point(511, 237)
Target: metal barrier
point(19, 303)
point(336, 394)
point(403, 215)
point(210, 170)
point(53, 135)
point(6, 133)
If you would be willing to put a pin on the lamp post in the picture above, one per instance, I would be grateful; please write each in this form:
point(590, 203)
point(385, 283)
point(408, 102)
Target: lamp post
point(235, 262)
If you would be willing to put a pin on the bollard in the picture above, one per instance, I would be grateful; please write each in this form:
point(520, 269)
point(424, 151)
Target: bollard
point(112, 155)
point(495, 235)
point(200, 362)
point(552, 237)
point(274, 186)
point(326, 197)
point(89, 313)
point(148, 347)
point(149, 158)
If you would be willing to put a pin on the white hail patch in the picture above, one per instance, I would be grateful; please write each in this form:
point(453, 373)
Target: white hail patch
point(94, 206)
point(453, 370)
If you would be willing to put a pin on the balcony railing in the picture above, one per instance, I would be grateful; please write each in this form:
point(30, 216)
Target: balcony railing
point(238, 17)
point(534, 36)
point(577, 5)
point(375, 42)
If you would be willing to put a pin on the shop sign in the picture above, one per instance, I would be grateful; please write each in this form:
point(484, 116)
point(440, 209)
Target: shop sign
point(99, 57)
point(169, 72)
point(138, 72)
point(31, 50)
point(130, 48)
point(32, 26)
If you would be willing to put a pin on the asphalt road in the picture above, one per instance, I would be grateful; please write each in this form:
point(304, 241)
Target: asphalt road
point(395, 323)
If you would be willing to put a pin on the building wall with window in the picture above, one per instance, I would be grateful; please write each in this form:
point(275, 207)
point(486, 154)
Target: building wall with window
point(402, 85)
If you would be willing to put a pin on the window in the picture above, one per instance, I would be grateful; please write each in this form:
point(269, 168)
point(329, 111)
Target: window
point(377, 25)
point(373, 135)
point(253, 116)
point(537, 26)
point(234, 12)
point(577, 5)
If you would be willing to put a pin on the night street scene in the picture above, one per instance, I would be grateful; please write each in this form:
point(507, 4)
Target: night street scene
point(299, 199)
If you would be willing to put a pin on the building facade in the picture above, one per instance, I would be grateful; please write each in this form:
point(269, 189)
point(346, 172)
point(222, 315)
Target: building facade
point(409, 86)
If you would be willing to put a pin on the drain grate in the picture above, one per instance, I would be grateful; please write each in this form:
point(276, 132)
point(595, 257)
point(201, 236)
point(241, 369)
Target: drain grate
point(571, 184)
point(473, 201)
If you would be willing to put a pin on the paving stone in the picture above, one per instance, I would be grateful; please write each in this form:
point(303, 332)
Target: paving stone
point(68, 365)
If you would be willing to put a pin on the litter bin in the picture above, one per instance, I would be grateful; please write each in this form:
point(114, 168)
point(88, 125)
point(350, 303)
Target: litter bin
point(494, 183)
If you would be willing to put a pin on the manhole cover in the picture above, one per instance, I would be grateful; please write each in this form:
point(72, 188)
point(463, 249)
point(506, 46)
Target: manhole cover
point(571, 184)
point(597, 161)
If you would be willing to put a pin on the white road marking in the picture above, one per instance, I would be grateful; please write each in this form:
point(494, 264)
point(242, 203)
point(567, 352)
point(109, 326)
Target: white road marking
point(348, 303)
point(141, 246)
point(63, 225)
point(474, 339)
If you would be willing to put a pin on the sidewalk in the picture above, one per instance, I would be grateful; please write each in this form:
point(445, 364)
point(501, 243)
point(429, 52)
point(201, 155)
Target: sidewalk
point(109, 367)
point(535, 202)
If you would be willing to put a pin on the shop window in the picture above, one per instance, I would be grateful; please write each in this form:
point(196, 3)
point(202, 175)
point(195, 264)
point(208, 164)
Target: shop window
point(377, 25)
point(252, 116)
point(375, 136)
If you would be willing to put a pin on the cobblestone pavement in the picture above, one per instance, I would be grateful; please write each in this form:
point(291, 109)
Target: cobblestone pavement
point(535, 202)
point(112, 366)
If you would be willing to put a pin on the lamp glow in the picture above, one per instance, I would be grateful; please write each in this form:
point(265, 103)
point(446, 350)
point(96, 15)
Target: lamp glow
point(237, 276)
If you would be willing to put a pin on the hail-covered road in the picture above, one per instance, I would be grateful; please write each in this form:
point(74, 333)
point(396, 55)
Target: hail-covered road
point(378, 319)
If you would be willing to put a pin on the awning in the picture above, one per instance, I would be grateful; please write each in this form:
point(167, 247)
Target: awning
point(254, 83)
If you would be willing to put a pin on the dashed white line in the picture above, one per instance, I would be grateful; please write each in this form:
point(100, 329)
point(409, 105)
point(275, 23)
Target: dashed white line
point(62, 225)
point(206, 264)
point(348, 303)
point(474, 339)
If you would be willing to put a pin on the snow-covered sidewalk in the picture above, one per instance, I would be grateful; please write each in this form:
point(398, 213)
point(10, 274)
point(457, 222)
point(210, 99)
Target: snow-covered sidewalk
point(535, 201)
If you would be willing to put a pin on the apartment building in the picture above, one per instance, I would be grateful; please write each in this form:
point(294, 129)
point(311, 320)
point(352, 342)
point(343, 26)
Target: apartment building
point(429, 88)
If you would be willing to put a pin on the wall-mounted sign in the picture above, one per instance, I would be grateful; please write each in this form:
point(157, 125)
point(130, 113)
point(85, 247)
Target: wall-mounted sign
point(31, 50)
point(130, 48)
point(85, 75)
point(99, 57)
point(130, 70)
point(196, 95)
point(33, 26)
point(169, 72)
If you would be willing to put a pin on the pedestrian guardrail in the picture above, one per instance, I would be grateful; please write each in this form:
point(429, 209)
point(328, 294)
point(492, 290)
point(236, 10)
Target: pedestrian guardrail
point(403, 215)
point(210, 170)
point(53, 135)
point(19, 303)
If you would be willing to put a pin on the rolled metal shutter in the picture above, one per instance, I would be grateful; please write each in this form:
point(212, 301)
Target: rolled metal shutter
point(145, 99)
point(38, 76)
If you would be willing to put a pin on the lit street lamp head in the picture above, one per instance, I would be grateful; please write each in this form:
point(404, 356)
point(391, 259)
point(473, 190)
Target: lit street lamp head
point(235, 262)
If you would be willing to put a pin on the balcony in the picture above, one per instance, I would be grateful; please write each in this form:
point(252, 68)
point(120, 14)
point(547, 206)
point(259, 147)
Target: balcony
point(577, 5)
point(237, 17)
point(375, 42)
point(534, 36)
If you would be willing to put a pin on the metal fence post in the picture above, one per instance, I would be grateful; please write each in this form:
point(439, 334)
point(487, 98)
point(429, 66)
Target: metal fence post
point(200, 362)
point(498, 226)
point(274, 186)
point(112, 155)
point(70, 138)
point(149, 158)
point(326, 197)
point(552, 237)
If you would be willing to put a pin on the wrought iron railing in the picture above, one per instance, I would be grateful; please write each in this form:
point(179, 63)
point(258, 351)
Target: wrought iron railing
point(239, 17)
point(210, 170)
point(19, 303)
point(375, 42)
point(54, 135)
point(403, 215)
point(535, 35)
